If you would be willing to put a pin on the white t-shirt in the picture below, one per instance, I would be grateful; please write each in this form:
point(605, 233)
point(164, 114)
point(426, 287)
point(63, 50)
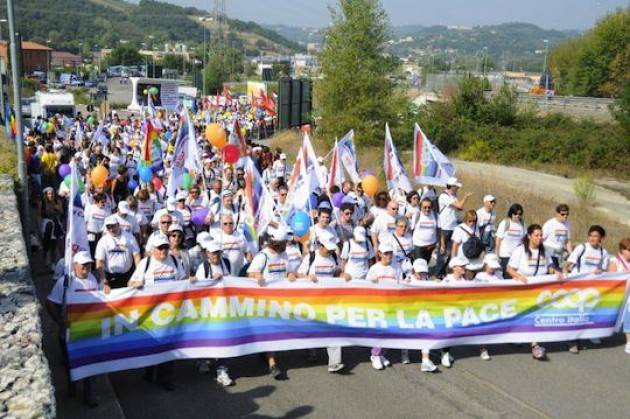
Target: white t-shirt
point(402, 250)
point(117, 252)
point(75, 285)
point(486, 277)
point(357, 257)
point(379, 272)
point(321, 266)
point(384, 226)
point(460, 236)
point(294, 255)
point(147, 208)
point(95, 218)
point(556, 234)
point(486, 220)
point(449, 278)
point(592, 259)
point(158, 271)
point(511, 234)
point(447, 212)
point(425, 230)
point(273, 266)
point(234, 248)
point(201, 273)
point(128, 223)
point(317, 231)
point(529, 265)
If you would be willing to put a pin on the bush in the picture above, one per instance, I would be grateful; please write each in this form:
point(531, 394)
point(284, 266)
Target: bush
point(584, 188)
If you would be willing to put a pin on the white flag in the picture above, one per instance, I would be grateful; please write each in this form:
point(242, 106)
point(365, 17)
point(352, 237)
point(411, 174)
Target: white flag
point(395, 173)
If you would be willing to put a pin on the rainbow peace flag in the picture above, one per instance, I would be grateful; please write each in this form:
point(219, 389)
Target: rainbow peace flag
point(9, 121)
point(133, 328)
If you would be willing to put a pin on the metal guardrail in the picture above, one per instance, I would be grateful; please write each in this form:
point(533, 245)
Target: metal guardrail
point(585, 103)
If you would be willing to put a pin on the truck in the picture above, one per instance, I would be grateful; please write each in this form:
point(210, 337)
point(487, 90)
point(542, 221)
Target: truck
point(47, 104)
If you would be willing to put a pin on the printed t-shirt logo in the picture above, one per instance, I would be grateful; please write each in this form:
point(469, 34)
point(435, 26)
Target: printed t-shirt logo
point(276, 267)
point(164, 274)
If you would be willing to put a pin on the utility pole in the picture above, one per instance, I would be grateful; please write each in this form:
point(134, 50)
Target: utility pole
point(16, 51)
point(546, 72)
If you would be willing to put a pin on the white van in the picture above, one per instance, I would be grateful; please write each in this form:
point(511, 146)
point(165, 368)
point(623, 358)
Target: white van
point(51, 103)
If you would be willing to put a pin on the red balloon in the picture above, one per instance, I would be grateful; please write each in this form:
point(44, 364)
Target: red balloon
point(231, 153)
point(157, 182)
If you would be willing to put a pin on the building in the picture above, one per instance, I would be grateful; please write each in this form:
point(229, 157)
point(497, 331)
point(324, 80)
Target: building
point(65, 59)
point(35, 57)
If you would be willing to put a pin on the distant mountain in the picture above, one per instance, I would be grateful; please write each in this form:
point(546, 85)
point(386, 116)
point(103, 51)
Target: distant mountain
point(81, 24)
point(515, 39)
point(302, 35)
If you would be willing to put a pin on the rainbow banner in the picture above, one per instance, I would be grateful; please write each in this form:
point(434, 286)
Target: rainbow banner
point(136, 328)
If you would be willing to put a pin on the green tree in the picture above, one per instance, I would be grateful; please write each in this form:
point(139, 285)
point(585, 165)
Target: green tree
point(172, 61)
point(280, 70)
point(124, 55)
point(224, 65)
point(356, 91)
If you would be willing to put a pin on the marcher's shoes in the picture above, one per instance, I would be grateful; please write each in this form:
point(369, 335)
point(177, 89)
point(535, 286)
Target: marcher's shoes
point(335, 367)
point(446, 360)
point(404, 357)
point(275, 372)
point(377, 363)
point(428, 366)
point(223, 377)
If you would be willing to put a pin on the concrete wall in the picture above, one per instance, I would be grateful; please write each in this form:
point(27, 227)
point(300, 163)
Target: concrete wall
point(26, 389)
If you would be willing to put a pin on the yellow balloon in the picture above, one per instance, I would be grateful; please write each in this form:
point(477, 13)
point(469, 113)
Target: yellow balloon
point(370, 185)
point(215, 134)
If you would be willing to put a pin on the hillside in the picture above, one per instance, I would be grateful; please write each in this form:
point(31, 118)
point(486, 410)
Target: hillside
point(83, 24)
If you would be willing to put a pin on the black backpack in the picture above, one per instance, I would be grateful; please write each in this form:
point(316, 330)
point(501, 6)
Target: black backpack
point(473, 247)
point(207, 268)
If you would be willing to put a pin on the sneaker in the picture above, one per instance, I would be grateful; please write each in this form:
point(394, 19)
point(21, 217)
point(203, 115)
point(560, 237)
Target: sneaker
point(275, 372)
point(627, 349)
point(404, 356)
point(446, 360)
point(385, 361)
point(377, 363)
point(223, 377)
point(596, 341)
point(539, 353)
point(573, 348)
point(203, 366)
point(428, 366)
point(485, 355)
point(335, 367)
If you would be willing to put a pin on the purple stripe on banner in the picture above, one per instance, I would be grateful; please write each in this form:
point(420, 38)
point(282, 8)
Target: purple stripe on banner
point(78, 361)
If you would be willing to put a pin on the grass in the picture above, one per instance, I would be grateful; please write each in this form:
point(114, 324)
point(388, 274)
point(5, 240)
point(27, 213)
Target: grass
point(8, 158)
point(538, 208)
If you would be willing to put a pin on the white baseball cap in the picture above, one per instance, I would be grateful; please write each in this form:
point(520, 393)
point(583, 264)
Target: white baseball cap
point(123, 207)
point(227, 192)
point(489, 198)
point(212, 246)
point(278, 234)
point(420, 266)
point(283, 156)
point(359, 234)
point(453, 181)
point(458, 261)
point(385, 247)
point(175, 227)
point(202, 236)
point(181, 195)
point(328, 242)
point(492, 261)
point(83, 257)
point(111, 220)
point(160, 240)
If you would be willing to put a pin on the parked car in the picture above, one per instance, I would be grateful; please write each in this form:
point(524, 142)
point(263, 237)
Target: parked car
point(91, 83)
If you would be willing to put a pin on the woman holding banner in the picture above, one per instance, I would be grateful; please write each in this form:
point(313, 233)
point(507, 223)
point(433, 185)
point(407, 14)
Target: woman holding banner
point(621, 264)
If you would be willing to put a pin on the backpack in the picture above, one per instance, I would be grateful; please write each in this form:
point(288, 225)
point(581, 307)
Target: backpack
point(207, 268)
point(578, 262)
point(311, 259)
point(243, 272)
point(146, 267)
point(473, 247)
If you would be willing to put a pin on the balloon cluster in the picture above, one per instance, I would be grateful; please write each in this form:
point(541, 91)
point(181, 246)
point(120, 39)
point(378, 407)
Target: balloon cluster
point(216, 136)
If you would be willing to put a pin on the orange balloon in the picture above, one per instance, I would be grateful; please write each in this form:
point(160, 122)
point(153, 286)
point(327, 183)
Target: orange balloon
point(370, 184)
point(99, 176)
point(215, 134)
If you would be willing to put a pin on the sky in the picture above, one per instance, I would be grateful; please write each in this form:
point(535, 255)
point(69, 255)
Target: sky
point(549, 14)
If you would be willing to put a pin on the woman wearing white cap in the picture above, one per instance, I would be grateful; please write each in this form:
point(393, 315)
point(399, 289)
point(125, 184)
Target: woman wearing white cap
point(527, 260)
point(401, 241)
point(176, 240)
point(425, 232)
point(491, 270)
point(95, 215)
point(467, 243)
point(382, 271)
point(486, 218)
point(81, 279)
point(271, 264)
point(357, 254)
point(420, 272)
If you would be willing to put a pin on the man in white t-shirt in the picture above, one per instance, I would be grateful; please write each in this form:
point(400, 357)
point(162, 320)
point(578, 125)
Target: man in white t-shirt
point(384, 224)
point(234, 246)
point(557, 235)
point(321, 228)
point(448, 206)
point(486, 219)
point(589, 257)
point(116, 254)
point(357, 254)
point(127, 221)
point(81, 280)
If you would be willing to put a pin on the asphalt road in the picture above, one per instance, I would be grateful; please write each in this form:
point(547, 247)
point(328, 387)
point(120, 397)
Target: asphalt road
point(593, 383)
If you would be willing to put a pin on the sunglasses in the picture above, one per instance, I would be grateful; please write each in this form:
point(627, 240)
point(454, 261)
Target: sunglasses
point(111, 227)
point(426, 208)
point(176, 235)
point(163, 247)
point(348, 213)
point(564, 214)
point(166, 222)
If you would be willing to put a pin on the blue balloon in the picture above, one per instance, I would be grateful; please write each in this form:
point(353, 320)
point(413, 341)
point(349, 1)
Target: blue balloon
point(132, 185)
point(146, 174)
point(300, 223)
